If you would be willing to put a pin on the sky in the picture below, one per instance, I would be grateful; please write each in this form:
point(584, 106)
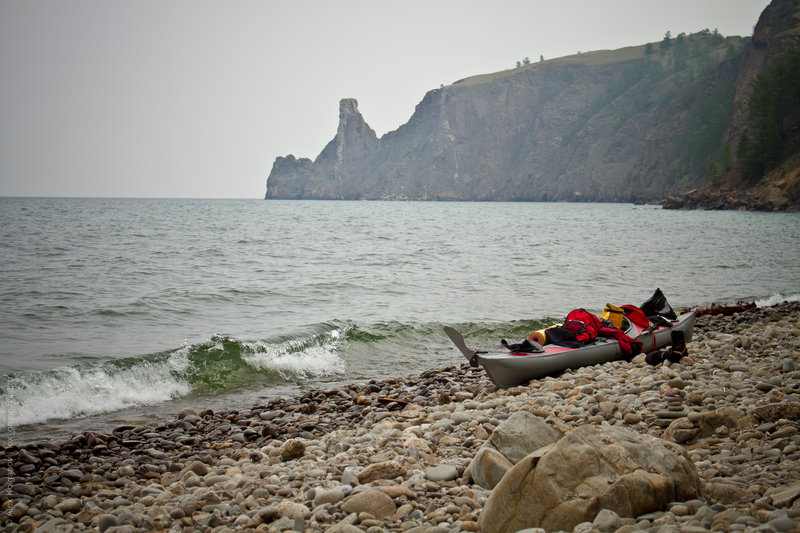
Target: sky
point(196, 98)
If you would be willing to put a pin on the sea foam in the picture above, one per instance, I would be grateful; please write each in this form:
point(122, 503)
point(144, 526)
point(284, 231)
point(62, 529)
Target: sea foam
point(776, 299)
point(219, 364)
point(71, 392)
point(318, 356)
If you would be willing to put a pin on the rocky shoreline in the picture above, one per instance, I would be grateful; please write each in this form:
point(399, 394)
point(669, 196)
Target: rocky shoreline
point(767, 197)
point(396, 455)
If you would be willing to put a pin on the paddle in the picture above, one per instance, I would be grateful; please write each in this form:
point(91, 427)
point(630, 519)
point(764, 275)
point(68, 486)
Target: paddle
point(458, 340)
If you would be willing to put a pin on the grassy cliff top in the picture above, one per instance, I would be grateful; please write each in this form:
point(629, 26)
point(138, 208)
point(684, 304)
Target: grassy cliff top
point(717, 46)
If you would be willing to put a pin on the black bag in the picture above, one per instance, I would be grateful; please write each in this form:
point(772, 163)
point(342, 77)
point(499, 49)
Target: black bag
point(657, 305)
point(563, 336)
point(526, 346)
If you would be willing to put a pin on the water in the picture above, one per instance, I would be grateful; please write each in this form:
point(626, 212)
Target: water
point(128, 310)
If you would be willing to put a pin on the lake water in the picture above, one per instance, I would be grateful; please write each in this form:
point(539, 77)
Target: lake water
point(128, 310)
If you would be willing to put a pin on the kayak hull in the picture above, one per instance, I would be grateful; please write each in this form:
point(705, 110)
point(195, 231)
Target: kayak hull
point(509, 369)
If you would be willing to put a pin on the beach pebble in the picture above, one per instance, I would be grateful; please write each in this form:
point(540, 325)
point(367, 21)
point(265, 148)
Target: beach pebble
point(329, 496)
point(427, 452)
point(17, 510)
point(382, 470)
point(442, 473)
point(371, 501)
point(106, 521)
point(292, 449)
point(632, 418)
point(70, 505)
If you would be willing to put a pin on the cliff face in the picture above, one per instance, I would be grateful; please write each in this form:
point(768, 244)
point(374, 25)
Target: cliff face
point(776, 30)
point(330, 176)
point(635, 124)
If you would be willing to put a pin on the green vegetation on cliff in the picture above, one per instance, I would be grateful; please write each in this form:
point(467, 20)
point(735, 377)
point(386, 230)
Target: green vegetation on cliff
point(774, 112)
point(642, 123)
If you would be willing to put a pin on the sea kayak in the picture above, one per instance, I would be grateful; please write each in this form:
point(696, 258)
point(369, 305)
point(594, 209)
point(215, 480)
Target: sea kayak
point(508, 369)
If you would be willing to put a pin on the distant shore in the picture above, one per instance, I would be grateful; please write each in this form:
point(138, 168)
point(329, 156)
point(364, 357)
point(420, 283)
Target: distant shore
point(297, 463)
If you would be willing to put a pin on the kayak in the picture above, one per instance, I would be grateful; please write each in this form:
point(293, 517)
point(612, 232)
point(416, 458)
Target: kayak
point(508, 369)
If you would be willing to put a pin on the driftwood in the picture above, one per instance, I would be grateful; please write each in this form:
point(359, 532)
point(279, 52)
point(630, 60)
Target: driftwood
point(729, 309)
point(384, 399)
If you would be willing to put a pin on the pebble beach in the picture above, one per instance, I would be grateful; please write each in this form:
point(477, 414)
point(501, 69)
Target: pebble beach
point(394, 455)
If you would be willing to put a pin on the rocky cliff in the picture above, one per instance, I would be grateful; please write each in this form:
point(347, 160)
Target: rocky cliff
point(776, 186)
point(331, 176)
point(635, 124)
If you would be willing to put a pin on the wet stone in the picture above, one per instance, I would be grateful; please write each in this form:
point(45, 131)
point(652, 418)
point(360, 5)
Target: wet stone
point(230, 470)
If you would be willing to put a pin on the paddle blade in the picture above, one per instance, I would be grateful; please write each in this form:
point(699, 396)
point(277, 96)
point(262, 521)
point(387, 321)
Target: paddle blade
point(458, 340)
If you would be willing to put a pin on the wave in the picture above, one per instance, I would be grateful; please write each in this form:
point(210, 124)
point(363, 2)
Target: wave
point(776, 299)
point(323, 353)
point(218, 364)
point(70, 392)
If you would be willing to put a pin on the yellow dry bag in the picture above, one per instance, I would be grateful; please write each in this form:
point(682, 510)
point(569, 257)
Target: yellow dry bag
point(613, 314)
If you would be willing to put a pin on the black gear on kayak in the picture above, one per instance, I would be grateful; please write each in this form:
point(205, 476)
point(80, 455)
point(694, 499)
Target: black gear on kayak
point(526, 346)
point(657, 305)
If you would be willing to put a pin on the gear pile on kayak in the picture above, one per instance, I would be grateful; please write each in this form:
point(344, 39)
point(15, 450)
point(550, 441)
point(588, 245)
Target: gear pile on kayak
point(584, 339)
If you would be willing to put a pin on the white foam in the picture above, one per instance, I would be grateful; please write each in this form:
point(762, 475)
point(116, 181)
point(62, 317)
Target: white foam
point(776, 299)
point(293, 357)
point(72, 392)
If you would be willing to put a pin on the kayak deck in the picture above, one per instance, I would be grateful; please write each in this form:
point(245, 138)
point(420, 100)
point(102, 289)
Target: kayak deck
point(511, 369)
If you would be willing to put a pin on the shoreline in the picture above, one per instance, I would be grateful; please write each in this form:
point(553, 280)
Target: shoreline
point(295, 463)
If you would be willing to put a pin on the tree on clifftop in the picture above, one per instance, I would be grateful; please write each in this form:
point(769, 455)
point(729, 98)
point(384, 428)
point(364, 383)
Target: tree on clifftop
point(666, 42)
point(774, 110)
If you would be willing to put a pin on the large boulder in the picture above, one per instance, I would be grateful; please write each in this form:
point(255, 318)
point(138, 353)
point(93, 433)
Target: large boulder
point(591, 468)
point(488, 467)
point(518, 436)
point(521, 434)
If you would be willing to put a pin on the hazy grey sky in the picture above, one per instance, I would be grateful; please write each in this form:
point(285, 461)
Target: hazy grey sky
point(196, 98)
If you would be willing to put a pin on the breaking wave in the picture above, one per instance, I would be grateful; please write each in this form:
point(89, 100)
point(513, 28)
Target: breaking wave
point(775, 299)
point(217, 365)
